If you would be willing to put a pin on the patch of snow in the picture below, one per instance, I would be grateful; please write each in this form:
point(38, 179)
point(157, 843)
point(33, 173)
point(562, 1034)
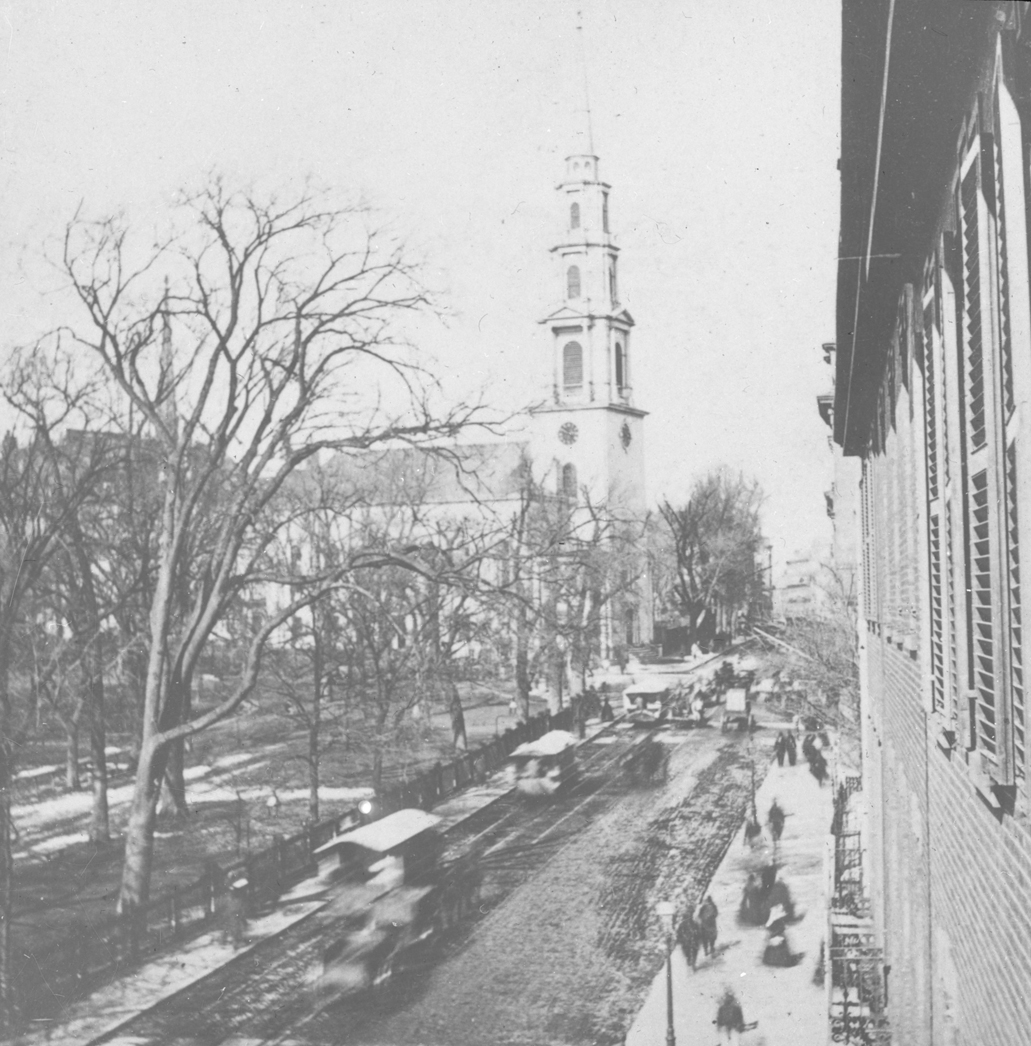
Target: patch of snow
point(36, 771)
point(193, 773)
point(56, 842)
point(233, 760)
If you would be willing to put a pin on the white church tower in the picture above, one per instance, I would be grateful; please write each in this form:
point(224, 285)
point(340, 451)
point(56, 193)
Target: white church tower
point(590, 431)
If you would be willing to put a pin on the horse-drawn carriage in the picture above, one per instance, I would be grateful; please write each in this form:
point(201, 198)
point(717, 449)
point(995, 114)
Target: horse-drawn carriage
point(390, 897)
point(545, 766)
point(647, 703)
point(737, 710)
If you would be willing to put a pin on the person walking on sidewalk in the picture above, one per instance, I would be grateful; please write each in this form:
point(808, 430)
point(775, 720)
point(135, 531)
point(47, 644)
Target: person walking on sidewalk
point(776, 820)
point(730, 1019)
point(689, 939)
point(818, 767)
point(780, 748)
point(707, 913)
point(792, 748)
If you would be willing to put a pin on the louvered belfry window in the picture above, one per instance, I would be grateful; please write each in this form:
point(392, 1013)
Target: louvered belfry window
point(572, 366)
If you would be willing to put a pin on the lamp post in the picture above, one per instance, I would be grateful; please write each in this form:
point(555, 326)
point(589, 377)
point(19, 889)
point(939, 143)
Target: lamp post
point(667, 912)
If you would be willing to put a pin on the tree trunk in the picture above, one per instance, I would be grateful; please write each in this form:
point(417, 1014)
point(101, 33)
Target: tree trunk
point(139, 835)
point(458, 733)
point(99, 830)
point(72, 781)
point(522, 661)
point(313, 774)
point(313, 732)
point(173, 792)
point(7, 999)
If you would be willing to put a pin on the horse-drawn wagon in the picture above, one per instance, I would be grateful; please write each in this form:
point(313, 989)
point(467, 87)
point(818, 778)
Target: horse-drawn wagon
point(545, 766)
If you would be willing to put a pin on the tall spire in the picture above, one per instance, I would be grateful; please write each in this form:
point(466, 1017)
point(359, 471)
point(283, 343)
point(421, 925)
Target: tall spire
point(587, 94)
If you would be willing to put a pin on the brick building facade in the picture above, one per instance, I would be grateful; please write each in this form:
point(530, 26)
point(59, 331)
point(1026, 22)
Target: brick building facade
point(933, 395)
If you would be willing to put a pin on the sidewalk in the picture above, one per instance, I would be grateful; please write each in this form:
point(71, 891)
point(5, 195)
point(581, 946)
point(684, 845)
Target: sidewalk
point(114, 1005)
point(789, 1008)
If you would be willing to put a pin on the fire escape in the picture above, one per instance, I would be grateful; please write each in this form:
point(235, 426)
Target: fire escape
point(855, 987)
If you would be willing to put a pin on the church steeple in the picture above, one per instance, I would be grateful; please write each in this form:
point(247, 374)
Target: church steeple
point(591, 329)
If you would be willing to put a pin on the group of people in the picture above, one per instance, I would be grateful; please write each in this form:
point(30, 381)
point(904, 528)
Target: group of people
point(698, 931)
point(786, 747)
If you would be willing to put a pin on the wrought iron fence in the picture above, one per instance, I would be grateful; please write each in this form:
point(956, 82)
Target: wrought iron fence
point(47, 979)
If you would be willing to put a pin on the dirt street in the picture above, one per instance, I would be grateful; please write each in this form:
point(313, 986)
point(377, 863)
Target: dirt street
point(568, 955)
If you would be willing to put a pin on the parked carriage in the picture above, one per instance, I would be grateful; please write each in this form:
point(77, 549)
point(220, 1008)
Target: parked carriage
point(390, 897)
point(545, 766)
point(647, 703)
point(737, 710)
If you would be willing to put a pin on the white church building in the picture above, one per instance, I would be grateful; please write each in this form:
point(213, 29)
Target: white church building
point(583, 445)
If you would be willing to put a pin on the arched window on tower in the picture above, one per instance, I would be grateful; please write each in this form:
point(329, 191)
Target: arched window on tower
point(569, 481)
point(620, 367)
point(613, 297)
point(574, 216)
point(605, 212)
point(572, 367)
point(573, 281)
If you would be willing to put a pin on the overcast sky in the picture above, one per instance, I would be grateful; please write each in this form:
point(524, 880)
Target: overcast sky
point(716, 124)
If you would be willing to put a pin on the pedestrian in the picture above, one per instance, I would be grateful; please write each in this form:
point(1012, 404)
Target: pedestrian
point(706, 916)
point(730, 1020)
point(607, 715)
point(234, 914)
point(689, 939)
point(792, 748)
point(808, 747)
point(753, 830)
point(272, 805)
point(751, 910)
point(776, 818)
point(780, 748)
point(780, 894)
point(777, 951)
point(818, 767)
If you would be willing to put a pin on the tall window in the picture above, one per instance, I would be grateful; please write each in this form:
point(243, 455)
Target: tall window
point(978, 482)
point(605, 212)
point(612, 281)
point(572, 367)
point(573, 281)
point(569, 481)
point(620, 367)
point(574, 216)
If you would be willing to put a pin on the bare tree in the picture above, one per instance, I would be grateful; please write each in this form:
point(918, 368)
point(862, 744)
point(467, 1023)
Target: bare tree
point(44, 480)
point(275, 339)
point(707, 561)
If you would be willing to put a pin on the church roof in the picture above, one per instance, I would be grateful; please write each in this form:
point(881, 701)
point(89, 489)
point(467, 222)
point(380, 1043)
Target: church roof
point(439, 475)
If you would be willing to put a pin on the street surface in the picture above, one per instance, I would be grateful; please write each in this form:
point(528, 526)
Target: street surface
point(564, 946)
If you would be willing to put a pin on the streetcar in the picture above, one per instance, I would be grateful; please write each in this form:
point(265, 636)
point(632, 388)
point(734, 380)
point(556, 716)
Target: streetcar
point(545, 766)
point(392, 896)
point(647, 703)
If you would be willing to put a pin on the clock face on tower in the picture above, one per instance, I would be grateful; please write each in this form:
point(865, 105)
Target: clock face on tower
point(568, 433)
point(625, 436)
